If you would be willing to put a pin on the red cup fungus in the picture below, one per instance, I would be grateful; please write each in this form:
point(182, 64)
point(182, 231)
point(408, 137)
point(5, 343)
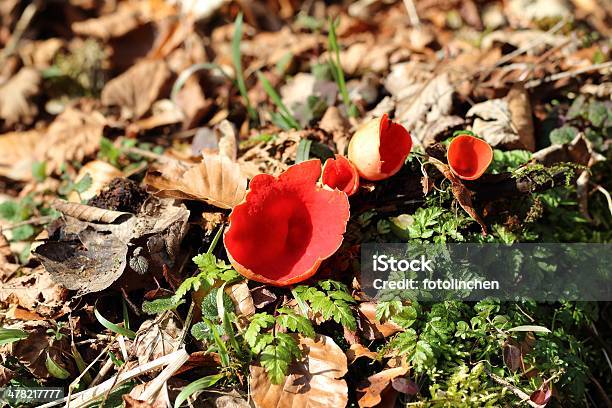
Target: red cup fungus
point(341, 174)
point(286, 226)
point(379, 147)
point(469, 157)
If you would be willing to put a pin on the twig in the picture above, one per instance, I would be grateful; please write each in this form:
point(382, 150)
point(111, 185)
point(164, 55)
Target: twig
point(36, 220)
point(146, 153)
point(415, 21)
point(530, 45)
point(22, 25)
point(186, 325)
point(103, 371)
point(153, 387)
point(516, 390)
point(606, 194)
point(568, 74)
point(84, 397)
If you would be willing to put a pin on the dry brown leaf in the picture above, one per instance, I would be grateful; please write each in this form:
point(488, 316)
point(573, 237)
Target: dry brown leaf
point(461, 193)
point(377, 384)
point(357, 350)
point(314, 382)
point(505, 122)
point(424, 103)
point(32, 352)
point(520, 110)
point(6, 375)
point(216, 179)
point(16, 154)
point(241, 296)
point(131, 402)
point(101, 174)
point(83, 212)
point(192, 102)
point(165, 116)
point(370, 327)
point(89, 257)
point(16, 98)
point(73, 135)
point(228, 140)
point(117, 24)
point(35, 292)
point(156, 339)
point(338, 126)
point(40, 54)
point(135, 94)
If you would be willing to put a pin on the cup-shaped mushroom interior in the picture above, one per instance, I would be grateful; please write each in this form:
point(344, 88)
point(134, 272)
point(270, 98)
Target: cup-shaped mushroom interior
point(287, 226)
point(341, 174)
point(395, 145)
point(469, 156)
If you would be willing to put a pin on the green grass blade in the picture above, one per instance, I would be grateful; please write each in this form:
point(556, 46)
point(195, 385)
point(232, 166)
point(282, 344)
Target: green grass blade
point(113, 327)
point(11, 335)
point(55, 369)
point(334, 62)
point(197, 385)
point(236, 58)
point(275, 97)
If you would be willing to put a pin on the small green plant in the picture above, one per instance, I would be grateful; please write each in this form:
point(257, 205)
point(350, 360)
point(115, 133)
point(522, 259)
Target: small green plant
point(331, 299)
point(336, 68)
point(283, 118)
point(236, 58)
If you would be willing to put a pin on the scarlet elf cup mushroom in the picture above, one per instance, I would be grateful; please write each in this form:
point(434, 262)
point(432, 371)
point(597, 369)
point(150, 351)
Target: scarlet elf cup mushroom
point(286, 226)
point(379, 147)
point(341, 174)
point(469, 157)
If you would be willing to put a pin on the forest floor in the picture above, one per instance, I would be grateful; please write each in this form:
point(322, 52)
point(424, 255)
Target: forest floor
point(146, 262)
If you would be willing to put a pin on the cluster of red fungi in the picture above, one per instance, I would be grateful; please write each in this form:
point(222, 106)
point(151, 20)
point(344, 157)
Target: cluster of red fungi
point(287, 225)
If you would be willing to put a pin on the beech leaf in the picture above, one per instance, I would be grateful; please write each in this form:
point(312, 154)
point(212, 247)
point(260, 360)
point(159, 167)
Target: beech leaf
point(216, 180)
point(314, 382)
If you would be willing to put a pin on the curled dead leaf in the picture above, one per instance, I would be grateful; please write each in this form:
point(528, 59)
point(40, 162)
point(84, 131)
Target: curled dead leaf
point(461, 193)
point(16, 98)
point(16, 156)
point(216, 180)
point(32, 351)
point(156, 339)
point(376, 384)
point(35, 292)
point(89, 257)
point(73, 135)
point(357, 350)
point(241, 296)
point(370, 327)
point(134, 95)
point(83, 212)
point(314, 382)
point(505, 122)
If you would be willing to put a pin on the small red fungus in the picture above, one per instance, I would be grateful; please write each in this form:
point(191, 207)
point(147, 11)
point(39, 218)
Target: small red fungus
point(341, 174)
point(469, 157)
point(379, 147)
point(286, 226)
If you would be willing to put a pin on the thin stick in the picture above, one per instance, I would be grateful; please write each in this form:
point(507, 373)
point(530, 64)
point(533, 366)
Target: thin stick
point(153, 387)
point(36, 220)
point(606, 194)
point(146, 153)
point(84, 397)
point(22, 25)
point(103, 371)
point(517, 391)
point(568, 74)
point(415, 21)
